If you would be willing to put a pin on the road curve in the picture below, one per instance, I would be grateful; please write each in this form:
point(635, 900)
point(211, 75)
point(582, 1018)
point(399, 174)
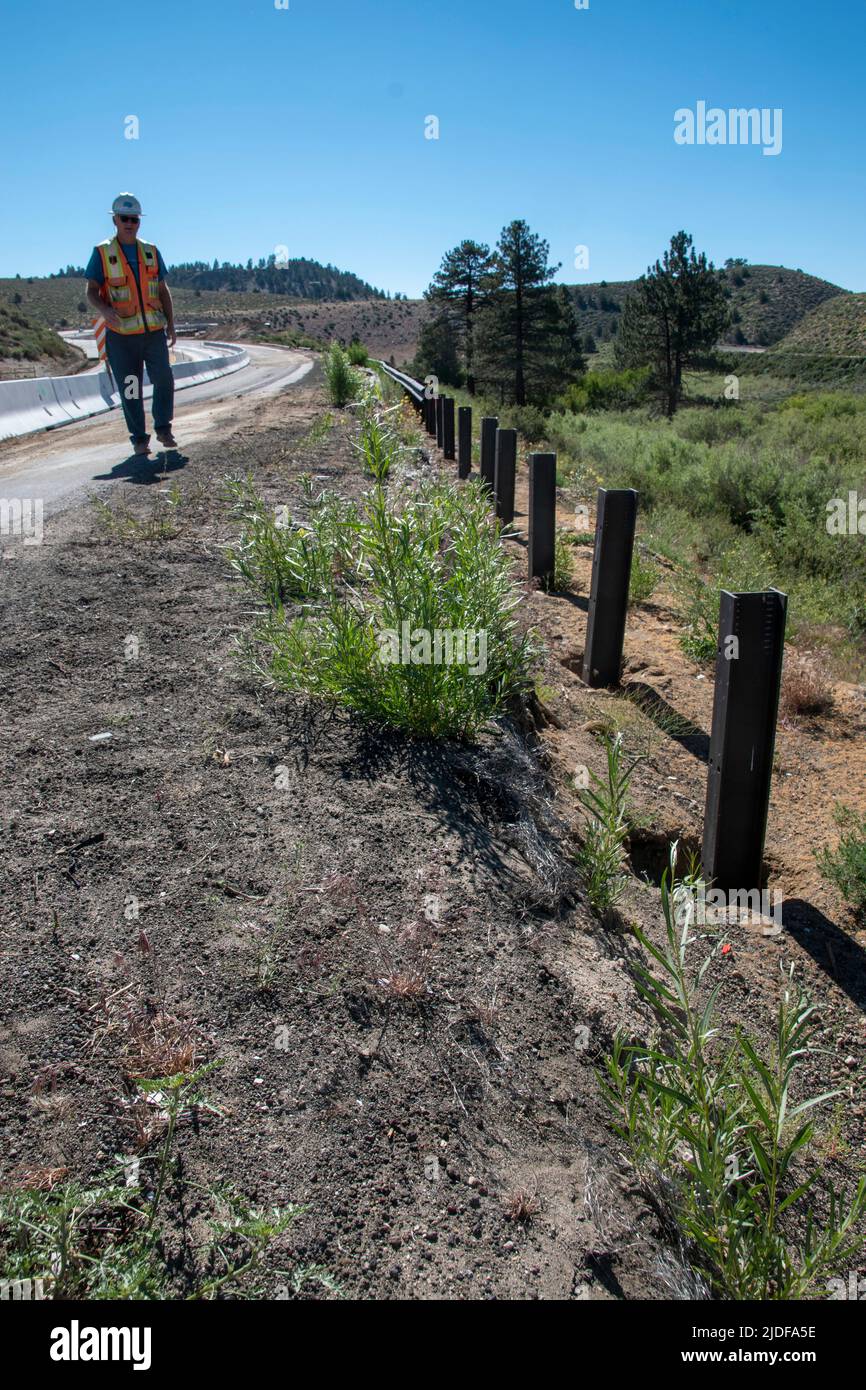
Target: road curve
point(61, 466)
point(187, 350)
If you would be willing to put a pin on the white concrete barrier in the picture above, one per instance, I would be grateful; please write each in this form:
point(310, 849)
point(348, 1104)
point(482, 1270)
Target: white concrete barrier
point(29, 405)
point(83, 396)
point(45, 402)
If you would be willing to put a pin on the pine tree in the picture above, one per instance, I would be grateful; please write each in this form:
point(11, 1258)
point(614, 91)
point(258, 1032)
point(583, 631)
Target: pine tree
point(437, 351)
point(568, 360)
point(527, 340)
point(676, 311)
point(457, 289)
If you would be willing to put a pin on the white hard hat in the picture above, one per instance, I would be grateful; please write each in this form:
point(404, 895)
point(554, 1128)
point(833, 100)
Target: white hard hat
point(128, 203)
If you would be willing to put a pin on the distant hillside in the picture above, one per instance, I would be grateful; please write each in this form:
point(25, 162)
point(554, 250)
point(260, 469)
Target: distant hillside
point(766, 301)
point(200, 290)
point(298, 278)
point(837, 326)
point(388, 326)
point(52, 302)
point(28, 348)
point(826, 348)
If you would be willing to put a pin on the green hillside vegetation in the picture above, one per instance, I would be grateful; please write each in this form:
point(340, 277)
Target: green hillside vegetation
point(200, 289)
point(388, 326)
point(838, 326)
point(768, 306)
point(740, 492)
point(298, 277)
point(50, 301)
point(732, 495)
point(827, 348)
point(738, 483)
point(58, 301)
point(766, 302)
point(24, 340)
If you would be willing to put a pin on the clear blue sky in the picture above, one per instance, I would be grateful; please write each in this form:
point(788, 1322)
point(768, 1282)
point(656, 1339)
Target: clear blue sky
point(304, 127)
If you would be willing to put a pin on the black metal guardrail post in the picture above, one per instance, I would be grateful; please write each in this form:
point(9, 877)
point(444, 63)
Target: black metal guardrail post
point(440, 420)
point(448, 427)
point(464, 441)
point(430, 414)
point(489, 426)
point(616, 513)
point(504, 473)
point(745, 707)
point(542, 515)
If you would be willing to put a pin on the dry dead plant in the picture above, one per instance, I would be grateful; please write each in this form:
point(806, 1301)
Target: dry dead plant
point(523, 1205)
point(805, 690)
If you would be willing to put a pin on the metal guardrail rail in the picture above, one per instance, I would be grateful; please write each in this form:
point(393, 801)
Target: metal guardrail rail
point(413, 388)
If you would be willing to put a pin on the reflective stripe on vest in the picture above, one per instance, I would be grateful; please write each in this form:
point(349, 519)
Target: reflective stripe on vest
point(121, 289)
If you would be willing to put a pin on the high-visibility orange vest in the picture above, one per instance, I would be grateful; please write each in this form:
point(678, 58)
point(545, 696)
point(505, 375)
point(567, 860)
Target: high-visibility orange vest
point(137, 313)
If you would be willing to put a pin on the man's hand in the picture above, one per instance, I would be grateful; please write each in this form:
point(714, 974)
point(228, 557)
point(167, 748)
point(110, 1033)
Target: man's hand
point(168, 310)
point(100, 306)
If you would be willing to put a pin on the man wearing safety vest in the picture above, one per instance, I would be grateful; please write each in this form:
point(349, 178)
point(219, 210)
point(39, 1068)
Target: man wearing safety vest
point(126, 287)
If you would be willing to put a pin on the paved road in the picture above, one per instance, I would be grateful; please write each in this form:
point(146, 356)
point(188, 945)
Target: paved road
point(187, 350)
point(62, 466)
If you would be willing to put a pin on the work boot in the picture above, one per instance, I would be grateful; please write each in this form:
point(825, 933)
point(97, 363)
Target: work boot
point(167, 438)
point(142, 446)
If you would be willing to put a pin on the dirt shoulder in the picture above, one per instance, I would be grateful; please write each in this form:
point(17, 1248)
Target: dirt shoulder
point(380, 941)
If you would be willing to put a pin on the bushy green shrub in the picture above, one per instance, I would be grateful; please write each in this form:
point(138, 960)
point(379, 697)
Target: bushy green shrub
point(341, 380)
point(280, 561)
point(699, 615)
point(712, 426)
point(644, 578)
point(752, 500)
point(529, 421)
point(404, 606)
point(601, 858)
point(845, 866)
point(607, 390)
point(721, 1137)
point(563, 564)
point(378, 445)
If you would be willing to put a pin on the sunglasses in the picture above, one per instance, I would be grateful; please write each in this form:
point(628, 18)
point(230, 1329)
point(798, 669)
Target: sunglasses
point(129, 219)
